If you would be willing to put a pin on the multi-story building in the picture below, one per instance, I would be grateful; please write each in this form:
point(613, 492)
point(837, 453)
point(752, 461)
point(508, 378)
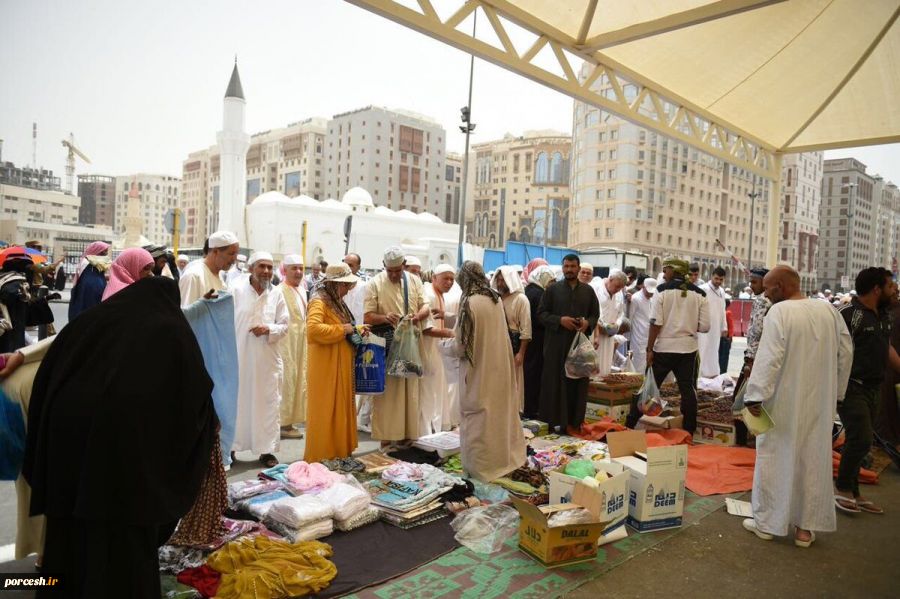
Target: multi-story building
point(288, 159)
point(98, 200)
point(157, 194)
point(514, 183)
point(33, 208)
point(452, 187)
point(798, 242)
point(887, 225)
point(396, 155)
point(637, 190)
point(847, 222)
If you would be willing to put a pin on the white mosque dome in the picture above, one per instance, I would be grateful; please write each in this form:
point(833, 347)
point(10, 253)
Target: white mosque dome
point(270, 197)
point(332, 203)
point(383, 210)
point(406, 212)
point(357, 196)
point(427, 216)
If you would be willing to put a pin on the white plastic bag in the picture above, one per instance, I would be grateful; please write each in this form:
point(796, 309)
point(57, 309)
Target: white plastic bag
point(581, 363)
point(649, 401)
point(486, 529)
point(404, 359)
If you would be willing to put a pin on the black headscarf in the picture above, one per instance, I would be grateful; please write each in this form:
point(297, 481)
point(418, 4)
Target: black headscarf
point(121, 423)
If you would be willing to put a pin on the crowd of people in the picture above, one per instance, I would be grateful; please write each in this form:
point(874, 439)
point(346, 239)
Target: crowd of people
point(208, 358)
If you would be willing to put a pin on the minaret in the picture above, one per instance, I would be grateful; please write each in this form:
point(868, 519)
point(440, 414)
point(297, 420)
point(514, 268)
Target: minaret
point(134, 222)
point(233, 144)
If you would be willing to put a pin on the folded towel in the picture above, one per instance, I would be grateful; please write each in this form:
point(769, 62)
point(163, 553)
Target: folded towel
point(296, 512)
point(367, 516)
point(346, 500)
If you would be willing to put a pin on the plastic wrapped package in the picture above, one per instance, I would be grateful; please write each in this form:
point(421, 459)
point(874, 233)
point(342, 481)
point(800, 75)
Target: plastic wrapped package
point(570, 517)
point(486, 529)
point(649, 401)
point(580, 469)
point(581, 362)
point(489, 492)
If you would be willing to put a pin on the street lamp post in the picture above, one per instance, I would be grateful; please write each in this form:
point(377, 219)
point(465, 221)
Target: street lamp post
point(752, 195)
point(467, 127)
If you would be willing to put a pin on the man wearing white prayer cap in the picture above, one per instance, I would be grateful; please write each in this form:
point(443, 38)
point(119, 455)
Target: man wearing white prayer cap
point(391, 295)
point(237, 270)
point(197, 282)
point(293, 349)
point(261, 320)
point(181, 262)
point(437, 400)
point(210, 313)
point(640, 322)
point(413, 266)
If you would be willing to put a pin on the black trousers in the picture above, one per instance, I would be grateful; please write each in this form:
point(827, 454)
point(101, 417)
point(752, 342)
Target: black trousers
point(686, 368)
point(740, 429)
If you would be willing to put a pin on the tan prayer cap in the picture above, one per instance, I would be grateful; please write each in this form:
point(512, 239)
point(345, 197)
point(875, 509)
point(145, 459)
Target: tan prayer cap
point(394, 256)
point(221, 239)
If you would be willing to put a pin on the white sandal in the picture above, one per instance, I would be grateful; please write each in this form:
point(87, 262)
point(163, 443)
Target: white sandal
point(805, 544)
point(750, 524)
point(848, 500)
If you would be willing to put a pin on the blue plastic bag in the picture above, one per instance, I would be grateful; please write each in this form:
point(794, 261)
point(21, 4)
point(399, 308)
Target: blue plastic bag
point(369, 366)
point(12, 438)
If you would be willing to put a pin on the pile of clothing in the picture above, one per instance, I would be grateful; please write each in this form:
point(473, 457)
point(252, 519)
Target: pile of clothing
point(302, 518)
point(351, 505)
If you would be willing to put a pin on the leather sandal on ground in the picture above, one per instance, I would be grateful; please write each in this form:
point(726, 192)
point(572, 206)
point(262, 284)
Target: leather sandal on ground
point(268, 460)
point(868, 507)
point(846, 504)
point(805, 544)
point(750, 524)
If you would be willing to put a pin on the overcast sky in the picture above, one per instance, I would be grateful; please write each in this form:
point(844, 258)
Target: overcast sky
point(140, 83)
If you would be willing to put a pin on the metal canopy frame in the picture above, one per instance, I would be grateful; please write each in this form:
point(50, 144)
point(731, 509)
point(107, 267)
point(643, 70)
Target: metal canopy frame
point(630, 95)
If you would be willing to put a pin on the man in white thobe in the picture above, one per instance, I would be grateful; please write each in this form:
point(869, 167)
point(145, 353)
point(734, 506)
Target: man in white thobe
point(434, 387)
point(612, 312)
point(718, 326)
point(260, 319)
point(801, 371)
point(293, 349)
point(640, 323)
point(450, 413)
point(202, 276)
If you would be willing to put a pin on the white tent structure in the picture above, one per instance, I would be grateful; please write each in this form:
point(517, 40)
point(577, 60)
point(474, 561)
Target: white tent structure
point(746, 81)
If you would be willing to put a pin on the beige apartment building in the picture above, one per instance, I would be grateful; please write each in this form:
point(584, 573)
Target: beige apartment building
point(514, 183)
point(397, 156)
point(288, 159)
point(636, 190)
point(798, 243)
point(858, 221)
point(453, 167)
point(157, 194)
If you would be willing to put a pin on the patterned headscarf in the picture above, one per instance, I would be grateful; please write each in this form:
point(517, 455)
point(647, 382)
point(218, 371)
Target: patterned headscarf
point(681, 268)
point(472, 281)
point(510, 277)
point(327, 291)
point(542, 275)
point(533, 265)
point(95, 248)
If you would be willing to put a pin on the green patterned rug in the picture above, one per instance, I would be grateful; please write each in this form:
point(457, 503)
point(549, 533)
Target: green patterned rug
point(510, 573)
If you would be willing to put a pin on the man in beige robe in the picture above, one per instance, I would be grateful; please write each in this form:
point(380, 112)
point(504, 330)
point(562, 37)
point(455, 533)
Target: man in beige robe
point(293, 350)
point(518, 321)
point(491, 439)
point(395, 414)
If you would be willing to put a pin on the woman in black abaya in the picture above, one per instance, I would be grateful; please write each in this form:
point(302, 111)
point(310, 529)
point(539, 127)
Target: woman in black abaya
point(120, 430)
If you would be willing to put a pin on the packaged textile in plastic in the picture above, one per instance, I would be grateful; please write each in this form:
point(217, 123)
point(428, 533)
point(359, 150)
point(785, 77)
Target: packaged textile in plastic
point(581, 362)
point(367, 516)
point(570, 517)
point(258, 505)
point(345, 500)
point(486, 529)
point(404, 359)
point(243, 489)
point(299, 511)
point(308, 532)
point(649, 401)
point(370, 366)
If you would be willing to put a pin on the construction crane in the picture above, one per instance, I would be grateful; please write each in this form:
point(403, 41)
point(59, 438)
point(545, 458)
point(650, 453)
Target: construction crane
point(70, 161)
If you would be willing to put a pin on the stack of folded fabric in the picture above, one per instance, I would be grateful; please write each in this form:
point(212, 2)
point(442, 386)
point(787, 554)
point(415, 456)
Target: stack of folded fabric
point(258, 505)
point(347, 500)
point(367, 516)
point(244, 489)
point(313, 477)
point(302, 518)
point(406, 504)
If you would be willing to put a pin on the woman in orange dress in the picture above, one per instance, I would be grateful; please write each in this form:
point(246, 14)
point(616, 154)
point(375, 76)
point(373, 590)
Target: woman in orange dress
point(331, 411)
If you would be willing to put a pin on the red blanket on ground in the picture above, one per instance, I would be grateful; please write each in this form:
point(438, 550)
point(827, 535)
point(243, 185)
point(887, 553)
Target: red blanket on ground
point(714, 469)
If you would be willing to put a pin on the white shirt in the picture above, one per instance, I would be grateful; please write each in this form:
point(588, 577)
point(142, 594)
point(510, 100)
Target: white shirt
point(681, 318)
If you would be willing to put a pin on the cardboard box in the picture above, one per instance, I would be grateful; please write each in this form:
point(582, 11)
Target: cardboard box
point(563, 545)
point(650, 423)
point(656, 483)
point(613, 493)
point(599, 392)
point(714, 433)
point(598, 411)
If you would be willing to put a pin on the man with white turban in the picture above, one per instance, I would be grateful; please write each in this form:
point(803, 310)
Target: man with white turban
point(261, 320)
point(293, 348)
point(182, 262)
point(435, 386)
point(391, 295)
point(413, 266)
point(518, 322)
point(612, 313)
